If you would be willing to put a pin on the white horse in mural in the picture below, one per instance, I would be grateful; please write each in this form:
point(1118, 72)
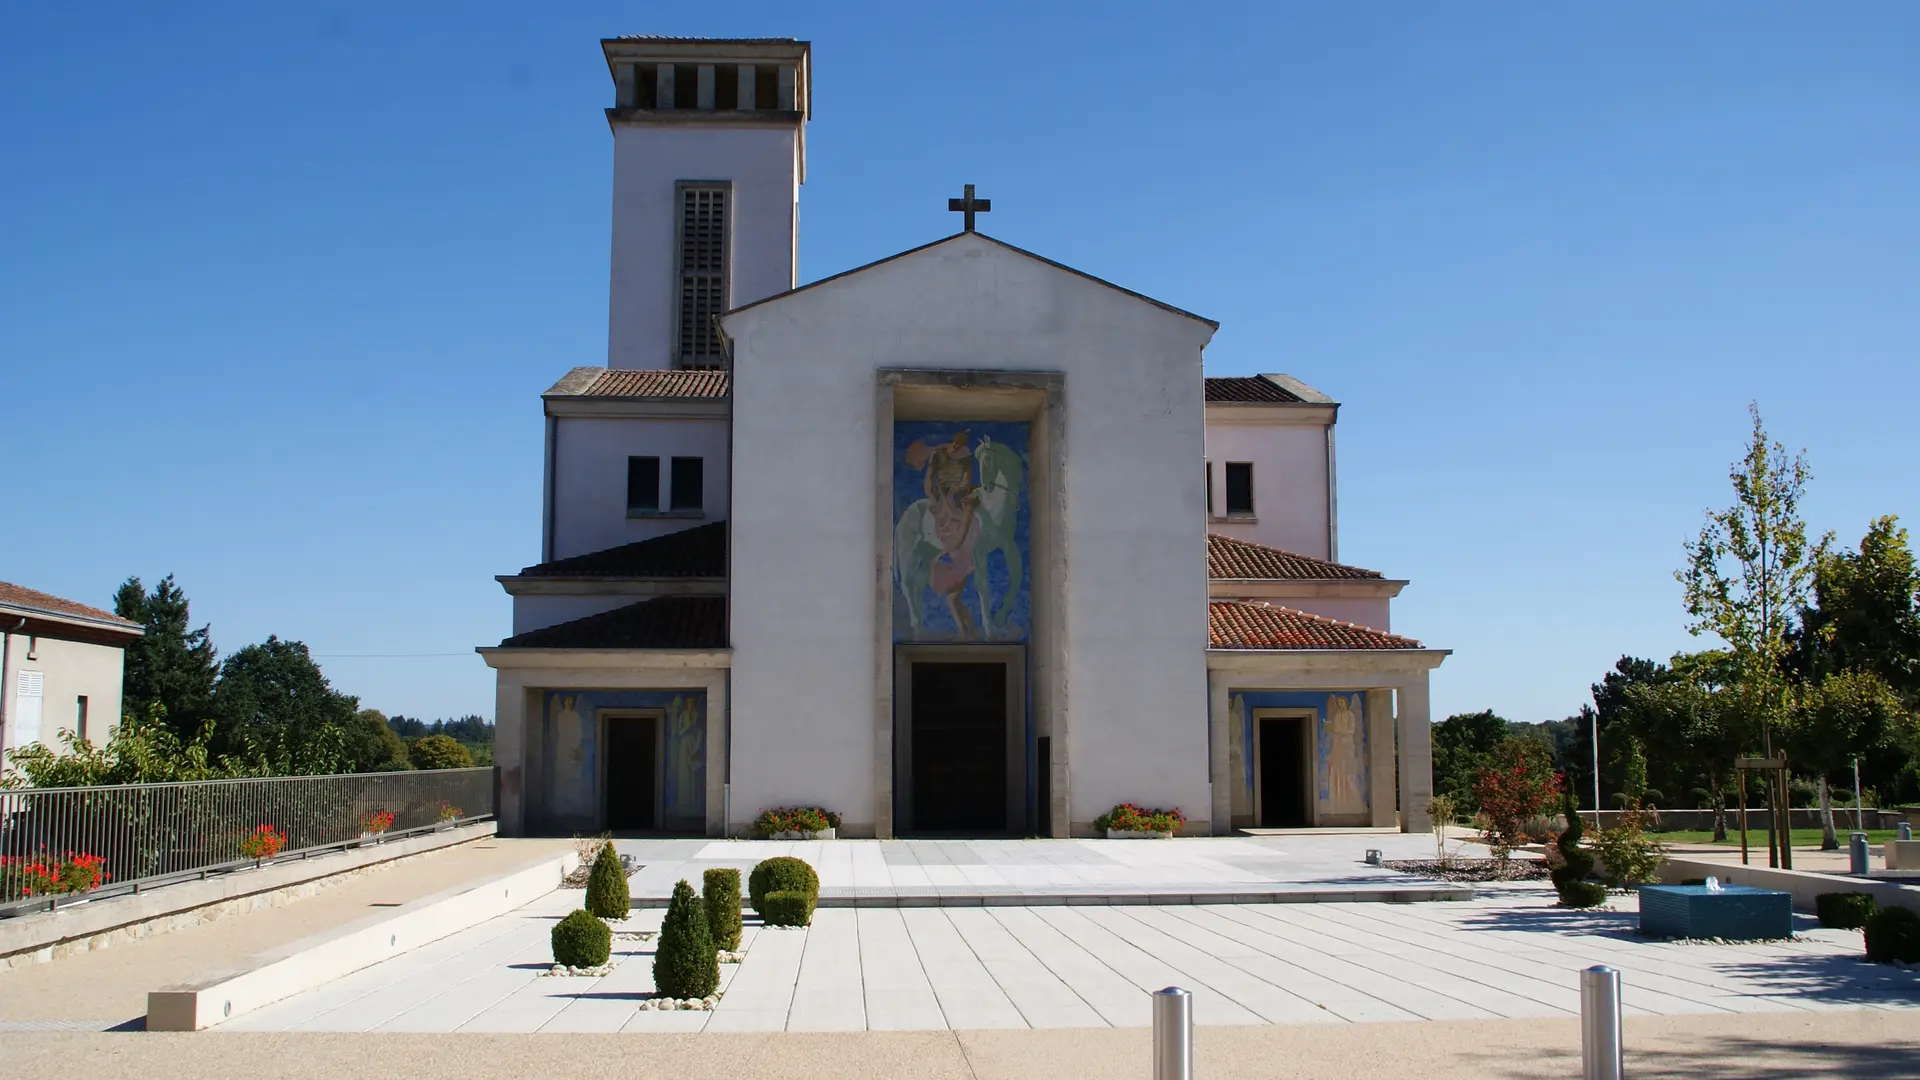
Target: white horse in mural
point(916, 547)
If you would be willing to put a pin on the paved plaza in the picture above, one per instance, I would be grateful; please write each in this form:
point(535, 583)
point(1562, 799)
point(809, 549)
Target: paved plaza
point(1000, 965)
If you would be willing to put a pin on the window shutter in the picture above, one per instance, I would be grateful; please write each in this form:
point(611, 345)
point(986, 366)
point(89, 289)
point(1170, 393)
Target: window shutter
point(31, 687)
point(703, 274)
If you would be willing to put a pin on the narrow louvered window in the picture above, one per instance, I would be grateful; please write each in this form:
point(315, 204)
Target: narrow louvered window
point(704, 241)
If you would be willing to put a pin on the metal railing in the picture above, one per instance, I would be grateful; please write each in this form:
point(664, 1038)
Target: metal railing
point(148, 834)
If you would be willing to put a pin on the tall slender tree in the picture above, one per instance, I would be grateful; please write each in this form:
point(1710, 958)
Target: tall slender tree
point(172, 665)
point(1748, 574)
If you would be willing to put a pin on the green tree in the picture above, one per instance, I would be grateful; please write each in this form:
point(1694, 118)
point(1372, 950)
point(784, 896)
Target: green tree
point(172, 665)
point(1462, 745)
point(1689, 716)
point(1865, 614)
point(140, 750)
point(376, 747)
point(1837, 719)
point(1748, 574)
point(439, 752)
point(275, 706)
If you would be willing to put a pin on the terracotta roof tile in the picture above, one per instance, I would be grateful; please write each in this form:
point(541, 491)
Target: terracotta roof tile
point(704, 383)
point(664, 622)
point(1248, 388)
point(1239, 560)
point(690, 553)
point(20, 596)
point(1234, 624)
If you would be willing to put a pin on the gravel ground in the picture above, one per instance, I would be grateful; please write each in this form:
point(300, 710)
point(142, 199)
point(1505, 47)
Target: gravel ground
point(1471, 869)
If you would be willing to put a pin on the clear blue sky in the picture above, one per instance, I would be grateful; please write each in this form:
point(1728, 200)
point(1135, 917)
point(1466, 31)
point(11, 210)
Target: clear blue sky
point(280, 284)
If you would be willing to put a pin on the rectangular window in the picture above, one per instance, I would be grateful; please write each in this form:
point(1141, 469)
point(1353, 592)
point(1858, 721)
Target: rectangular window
point(766, 87)
point(643, 483)
point(704, 287)
point(686, 86)
point(1209, 489)
point(726, 86)
point(687, 483)
point(1239, 487)
point(80, 717)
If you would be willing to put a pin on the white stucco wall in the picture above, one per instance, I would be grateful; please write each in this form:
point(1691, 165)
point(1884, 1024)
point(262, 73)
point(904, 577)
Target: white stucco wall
point(763, 165)
point(69, 669)
point(1289, 482)
point(806, 557)
point(590, 478)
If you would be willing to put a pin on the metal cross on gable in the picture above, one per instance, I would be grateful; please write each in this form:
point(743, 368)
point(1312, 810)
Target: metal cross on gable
point(969, 206)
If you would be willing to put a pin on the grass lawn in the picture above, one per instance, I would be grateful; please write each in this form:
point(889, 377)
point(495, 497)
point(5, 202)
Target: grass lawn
point(1758, 837)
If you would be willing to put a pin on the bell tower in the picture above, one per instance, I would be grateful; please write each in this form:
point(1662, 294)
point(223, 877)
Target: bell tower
point(709, 152)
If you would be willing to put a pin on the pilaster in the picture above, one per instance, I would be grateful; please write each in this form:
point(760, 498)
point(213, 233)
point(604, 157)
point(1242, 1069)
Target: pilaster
point(1416, 755)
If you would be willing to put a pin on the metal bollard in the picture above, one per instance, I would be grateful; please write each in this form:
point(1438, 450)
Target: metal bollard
point(1601, 1053)
point(1857, 854)
point(1172, 1034)
point(1906, 830)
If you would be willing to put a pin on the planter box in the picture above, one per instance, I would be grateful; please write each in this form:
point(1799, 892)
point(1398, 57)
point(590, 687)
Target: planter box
point(1735, 912)
point(823, 834)
point(1129, 834)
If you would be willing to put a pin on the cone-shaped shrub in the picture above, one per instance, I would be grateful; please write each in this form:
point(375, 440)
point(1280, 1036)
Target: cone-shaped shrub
point(1843, 910)
point(721, 897)
point(787, 909)
point(782, 873)
point(580, 940)
point(1570, 877)
point(607, 886)
point(1893, 934)
point(686, 965)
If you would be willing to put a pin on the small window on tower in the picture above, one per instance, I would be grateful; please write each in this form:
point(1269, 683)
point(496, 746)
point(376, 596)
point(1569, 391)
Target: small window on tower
point(687, 492)
point(643, 484)
point(704, 229)
point(645, 84)
point(1239, 487)
point(726, 86)
point(766, 87)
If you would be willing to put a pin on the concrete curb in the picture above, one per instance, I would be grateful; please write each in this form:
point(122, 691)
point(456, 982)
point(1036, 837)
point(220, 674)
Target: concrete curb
point(958, 898)
point(1803, 884)
point(48, 935)
point(302, 965)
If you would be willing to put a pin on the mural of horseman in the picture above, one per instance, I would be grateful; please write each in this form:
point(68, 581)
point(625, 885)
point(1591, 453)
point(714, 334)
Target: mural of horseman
point(960, 499)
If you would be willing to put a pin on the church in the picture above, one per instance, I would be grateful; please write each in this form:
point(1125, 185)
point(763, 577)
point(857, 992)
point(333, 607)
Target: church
point(961, 542)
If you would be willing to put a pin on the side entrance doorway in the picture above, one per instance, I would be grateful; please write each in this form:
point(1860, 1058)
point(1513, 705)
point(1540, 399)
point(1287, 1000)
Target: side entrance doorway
point(630, 777)
point(1283, 769)
point(960, 741)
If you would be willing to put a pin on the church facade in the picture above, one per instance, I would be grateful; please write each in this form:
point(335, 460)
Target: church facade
point(925, 543)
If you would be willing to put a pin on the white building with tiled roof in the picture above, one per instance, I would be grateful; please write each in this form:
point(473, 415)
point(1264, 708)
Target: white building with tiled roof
point(923, 543)
point(62, 665)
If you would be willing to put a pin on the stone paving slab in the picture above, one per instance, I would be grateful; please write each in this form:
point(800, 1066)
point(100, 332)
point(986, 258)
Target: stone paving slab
point(1509, 956)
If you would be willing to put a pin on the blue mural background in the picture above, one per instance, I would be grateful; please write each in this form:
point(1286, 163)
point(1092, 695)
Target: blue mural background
point(570, 745)
point(1001, 523)
point(1241, 705)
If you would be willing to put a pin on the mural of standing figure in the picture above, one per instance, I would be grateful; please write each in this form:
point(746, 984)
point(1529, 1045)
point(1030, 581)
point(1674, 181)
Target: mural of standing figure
point(1346, 769)
point(969, 509)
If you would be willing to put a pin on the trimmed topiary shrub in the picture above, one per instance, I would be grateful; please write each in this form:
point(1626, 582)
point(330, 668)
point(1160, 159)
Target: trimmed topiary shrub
point(581, 940)
point(607, 894)
point(1893, 934)
point(720, 895)
point(1575, 863)
point(1844, 910)
point(792, 908)
point(686, 965)
point(783, 873)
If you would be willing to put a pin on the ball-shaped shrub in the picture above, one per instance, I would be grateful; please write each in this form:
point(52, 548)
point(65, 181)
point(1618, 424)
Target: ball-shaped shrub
point(793, 908)
point(686, 965)
point(720, 895)
point(607, 894)
point(1844, 910)
point(1893, 934)
point(439, 752)
point(581, 940)
point(1582, 894)
point(782, 873)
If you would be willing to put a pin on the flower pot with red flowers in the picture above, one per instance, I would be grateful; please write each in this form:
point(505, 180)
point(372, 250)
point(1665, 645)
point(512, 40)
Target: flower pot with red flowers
point(374, 827)
point(263, 843)
point(1130, 822)
point(450, 816)
point(797, 823)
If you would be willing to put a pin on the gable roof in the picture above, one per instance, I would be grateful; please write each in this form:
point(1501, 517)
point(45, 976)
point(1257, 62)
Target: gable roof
point(664, 622)
point(1229, 559)
point(703, 384)
point(1161, 304)
point(23, 599)
point(1239, 624)
point(1249, 388)
point(699, 552)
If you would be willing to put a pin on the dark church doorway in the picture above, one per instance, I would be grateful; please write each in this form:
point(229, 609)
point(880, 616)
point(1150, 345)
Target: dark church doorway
point(959, 732)
point(1284, 756)
point(631, 781)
